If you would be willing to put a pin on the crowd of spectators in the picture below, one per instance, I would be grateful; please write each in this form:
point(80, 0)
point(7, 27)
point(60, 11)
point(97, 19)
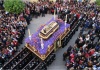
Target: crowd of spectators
point(12, 31)
point(85, 54)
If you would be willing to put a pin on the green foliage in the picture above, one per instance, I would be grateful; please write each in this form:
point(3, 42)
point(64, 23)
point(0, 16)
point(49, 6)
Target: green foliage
point(98, 2)
point(14, 6)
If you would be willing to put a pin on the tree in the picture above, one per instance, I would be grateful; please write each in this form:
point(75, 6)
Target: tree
point(14, 6)
point(98, 2)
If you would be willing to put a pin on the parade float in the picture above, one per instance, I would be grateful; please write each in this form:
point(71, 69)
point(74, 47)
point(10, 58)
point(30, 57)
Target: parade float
point(48, 38)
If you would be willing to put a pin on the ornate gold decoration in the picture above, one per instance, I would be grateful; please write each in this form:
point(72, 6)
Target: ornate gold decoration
point(49, 47)
point(43, 57)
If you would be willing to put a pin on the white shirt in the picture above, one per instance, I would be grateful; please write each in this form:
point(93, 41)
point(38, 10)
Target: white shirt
point(6, 12)
point(93, 18)
point(84, 46)
point(87, 38)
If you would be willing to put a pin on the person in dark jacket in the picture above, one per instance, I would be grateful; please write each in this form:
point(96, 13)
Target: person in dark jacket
point(27, 19)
